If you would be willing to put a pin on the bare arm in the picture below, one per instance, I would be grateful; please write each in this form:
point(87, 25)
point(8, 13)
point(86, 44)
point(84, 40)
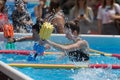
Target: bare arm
point(99, 26)
point(27, 38)
point(56, 45)
point(115, 16)
point(38, 12)
point(78, 44)
point(117, 12)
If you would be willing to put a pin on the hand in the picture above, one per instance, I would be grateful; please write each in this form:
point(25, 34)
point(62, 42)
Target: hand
point(78, 18)
point(83, 17)
point(11, 40)
point(47, 46)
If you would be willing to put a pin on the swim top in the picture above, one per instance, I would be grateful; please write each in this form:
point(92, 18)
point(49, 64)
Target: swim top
point(78, 55)
point(8, 31)
point(39, 48)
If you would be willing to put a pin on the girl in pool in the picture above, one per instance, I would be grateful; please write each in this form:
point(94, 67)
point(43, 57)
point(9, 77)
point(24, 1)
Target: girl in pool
point(39, 45)
point(78, 50)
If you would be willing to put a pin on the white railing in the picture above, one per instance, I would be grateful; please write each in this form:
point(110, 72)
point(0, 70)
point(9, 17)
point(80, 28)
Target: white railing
point(12, 73)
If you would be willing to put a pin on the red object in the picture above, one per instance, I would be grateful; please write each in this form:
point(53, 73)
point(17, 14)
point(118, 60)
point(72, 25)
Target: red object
point(116, 55)
point(3, 20)
point(22, 52)
point(8, 30)
point(113, 66)
point(4, 17)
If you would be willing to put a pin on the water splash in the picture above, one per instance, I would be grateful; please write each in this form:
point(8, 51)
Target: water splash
point(94, 74)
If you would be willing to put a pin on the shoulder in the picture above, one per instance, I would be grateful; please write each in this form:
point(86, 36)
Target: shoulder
point(116, 5)
point(36, 7)
point(100, 7)
point(59, 15)
point(89, 8)
point(73, 9)
point(83, 42)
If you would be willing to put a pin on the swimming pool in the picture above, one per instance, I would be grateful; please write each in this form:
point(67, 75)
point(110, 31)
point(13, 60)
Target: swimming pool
point(108, 44)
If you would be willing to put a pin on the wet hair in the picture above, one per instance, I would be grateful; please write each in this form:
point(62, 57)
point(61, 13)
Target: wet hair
point(73, 26)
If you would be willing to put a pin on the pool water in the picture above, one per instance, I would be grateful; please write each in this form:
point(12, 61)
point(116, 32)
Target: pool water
point(106, 44)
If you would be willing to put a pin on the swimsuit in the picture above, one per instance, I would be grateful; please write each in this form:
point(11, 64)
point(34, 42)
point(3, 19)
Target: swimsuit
point(39, 48)
point(78, 55)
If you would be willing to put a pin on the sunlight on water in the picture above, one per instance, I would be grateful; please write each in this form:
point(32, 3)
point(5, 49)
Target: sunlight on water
point(94, 74)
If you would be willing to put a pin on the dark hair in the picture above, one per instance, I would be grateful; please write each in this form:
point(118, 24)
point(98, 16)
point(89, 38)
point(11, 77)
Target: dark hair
point(104, 3)
point(3, 2)
point(54, 5)
point(73, 26)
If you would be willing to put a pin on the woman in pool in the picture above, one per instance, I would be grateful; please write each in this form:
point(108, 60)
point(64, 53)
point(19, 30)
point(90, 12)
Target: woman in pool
point(78, 50)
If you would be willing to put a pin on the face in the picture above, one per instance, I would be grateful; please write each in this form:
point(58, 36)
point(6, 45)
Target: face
point(42, 2)
point(71, 35)
point(35, 34)
point(81, 1)
point(20, 7)
point(108, 1)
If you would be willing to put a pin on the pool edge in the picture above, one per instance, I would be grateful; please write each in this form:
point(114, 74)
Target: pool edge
point(12, 73)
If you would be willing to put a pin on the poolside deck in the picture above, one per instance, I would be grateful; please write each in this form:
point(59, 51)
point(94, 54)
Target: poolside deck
point(4, 77)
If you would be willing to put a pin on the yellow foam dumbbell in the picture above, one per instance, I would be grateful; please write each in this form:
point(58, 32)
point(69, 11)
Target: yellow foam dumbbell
point(46, 30)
